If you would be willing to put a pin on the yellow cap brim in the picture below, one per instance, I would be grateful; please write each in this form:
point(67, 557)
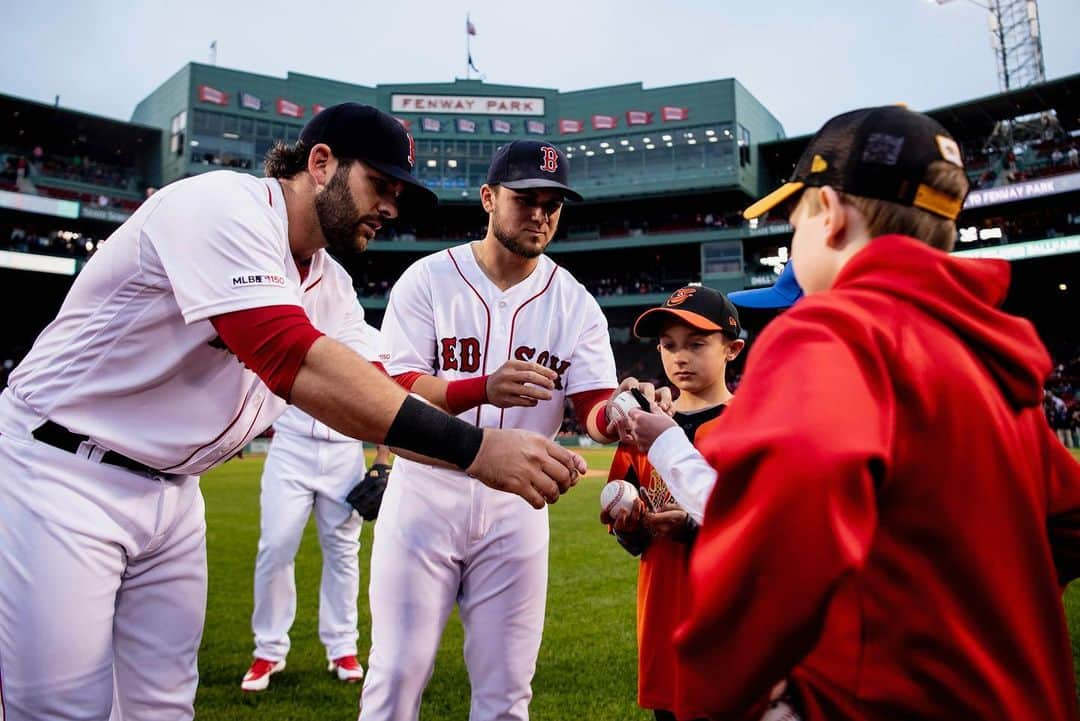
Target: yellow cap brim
point(773, 199)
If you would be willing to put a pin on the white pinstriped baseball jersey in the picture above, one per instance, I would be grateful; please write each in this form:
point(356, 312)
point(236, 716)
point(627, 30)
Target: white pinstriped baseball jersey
point(445, 315)
point(132, 359)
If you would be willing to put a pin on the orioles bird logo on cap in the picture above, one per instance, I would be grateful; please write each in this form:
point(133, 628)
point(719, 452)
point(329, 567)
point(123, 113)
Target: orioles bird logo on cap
point(680, 296)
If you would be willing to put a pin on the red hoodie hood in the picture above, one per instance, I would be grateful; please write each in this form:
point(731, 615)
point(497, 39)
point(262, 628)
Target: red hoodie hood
point(964, 294)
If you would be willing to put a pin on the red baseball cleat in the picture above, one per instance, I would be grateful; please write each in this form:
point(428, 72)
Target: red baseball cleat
point(258, 676)
point(347, 668)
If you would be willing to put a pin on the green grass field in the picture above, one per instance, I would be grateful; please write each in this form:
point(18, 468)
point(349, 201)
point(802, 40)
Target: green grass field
point(587, 666)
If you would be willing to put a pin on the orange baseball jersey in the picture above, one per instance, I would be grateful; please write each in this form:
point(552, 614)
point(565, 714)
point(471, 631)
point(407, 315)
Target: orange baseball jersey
point(663, 598)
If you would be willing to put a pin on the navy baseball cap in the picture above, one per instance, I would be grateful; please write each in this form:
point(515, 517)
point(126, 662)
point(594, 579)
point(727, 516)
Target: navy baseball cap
point(525, 164)
point(883, 153)
point(781, 294)
point(696, 306)
point(354, 130)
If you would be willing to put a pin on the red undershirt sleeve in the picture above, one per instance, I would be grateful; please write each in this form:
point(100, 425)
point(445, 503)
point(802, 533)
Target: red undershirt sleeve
point(270, 340)
point(585, 401)
point(407, 379)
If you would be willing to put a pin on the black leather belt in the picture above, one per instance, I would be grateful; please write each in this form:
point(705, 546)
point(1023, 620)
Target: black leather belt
point(59, 437)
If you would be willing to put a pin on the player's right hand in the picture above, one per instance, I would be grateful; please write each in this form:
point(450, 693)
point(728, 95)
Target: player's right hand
point(526, 464)
point(520, 383)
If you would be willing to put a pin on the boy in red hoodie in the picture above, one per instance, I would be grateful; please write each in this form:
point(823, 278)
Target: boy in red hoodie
point(893, 522)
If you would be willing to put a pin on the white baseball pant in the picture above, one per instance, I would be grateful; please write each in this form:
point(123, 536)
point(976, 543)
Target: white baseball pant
point(302, 474)
point(102, 577)
point(443, 538)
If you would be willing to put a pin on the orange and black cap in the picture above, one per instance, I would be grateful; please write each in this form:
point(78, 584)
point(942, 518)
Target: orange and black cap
point(883, 153)
point(696, 306)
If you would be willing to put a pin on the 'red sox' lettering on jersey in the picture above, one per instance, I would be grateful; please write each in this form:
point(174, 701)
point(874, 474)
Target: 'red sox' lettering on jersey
point(546, 358)
point(446, 314)
point(459, 354)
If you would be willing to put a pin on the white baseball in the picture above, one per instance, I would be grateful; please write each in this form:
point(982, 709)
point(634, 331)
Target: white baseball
point(620, 406)
point(617, 496)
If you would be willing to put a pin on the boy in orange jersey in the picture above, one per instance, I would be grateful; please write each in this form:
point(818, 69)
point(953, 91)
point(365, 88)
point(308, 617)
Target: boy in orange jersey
point(698, 334)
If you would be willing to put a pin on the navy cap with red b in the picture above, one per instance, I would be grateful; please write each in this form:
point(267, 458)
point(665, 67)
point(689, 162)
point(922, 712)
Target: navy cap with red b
point(363, 132)
point(526, 164)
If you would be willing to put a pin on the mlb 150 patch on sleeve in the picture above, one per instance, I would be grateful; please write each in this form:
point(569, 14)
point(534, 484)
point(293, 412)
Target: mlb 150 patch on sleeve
point(258, 279)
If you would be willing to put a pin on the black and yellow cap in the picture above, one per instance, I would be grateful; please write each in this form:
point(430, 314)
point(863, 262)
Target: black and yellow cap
point(696, 306)
point(883, 153)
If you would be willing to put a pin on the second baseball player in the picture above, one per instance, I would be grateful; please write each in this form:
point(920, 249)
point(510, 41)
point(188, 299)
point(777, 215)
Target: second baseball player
point(500, 307)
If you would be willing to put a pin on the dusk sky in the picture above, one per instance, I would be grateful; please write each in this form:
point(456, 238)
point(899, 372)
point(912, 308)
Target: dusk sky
point(806, 61)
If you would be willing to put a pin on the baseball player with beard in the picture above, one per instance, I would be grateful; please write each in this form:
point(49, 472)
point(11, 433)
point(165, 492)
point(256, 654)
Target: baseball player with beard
point(509, 335)
point(183, 338)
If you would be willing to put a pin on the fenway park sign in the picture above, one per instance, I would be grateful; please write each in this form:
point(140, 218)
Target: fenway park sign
point(466, 104)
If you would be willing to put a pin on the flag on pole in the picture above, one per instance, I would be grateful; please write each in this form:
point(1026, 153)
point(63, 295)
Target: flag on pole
point(469, 27)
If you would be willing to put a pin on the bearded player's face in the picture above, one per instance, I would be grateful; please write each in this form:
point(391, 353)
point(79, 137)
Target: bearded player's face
point(354, 204)
point(525, 221)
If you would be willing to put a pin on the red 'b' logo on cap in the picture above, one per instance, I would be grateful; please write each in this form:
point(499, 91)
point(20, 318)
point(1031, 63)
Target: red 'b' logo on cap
point(551, 159)
point(412, 150)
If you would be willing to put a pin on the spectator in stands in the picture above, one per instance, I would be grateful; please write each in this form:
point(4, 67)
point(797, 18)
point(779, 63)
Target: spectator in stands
point(1011, 173)
point(1074, 157)
point(1059, 417)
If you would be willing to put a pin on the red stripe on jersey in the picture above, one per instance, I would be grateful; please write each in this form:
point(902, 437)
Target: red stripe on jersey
point(269, 197)
point(237, 448)
point(194, 453)
point(513, 320)
point(487, 330)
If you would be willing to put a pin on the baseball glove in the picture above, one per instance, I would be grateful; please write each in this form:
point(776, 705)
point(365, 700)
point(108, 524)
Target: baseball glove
point(366, 496)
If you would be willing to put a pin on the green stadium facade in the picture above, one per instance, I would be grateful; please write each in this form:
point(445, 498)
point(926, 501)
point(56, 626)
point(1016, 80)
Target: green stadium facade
point(665, 172)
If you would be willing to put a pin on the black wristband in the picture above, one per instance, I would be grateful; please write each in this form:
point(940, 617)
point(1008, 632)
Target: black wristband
point(424, 429)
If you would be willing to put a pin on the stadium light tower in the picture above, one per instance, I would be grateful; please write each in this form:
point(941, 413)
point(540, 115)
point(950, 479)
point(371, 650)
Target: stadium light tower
point(1016, 40)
